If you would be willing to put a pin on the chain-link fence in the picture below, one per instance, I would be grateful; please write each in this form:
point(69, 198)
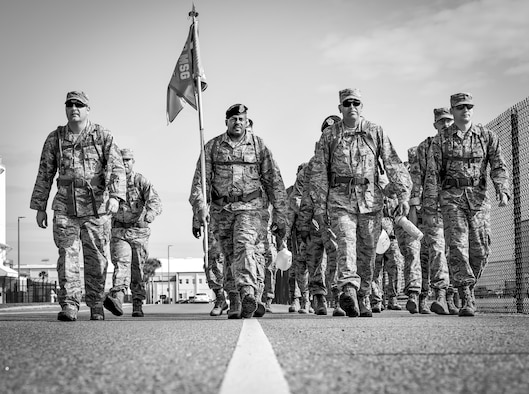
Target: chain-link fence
point(504, 284)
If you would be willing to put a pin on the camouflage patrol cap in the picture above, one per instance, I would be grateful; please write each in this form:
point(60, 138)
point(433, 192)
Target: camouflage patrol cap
point(236, 109)
point(77, 95)
point(461, 98)
point(350, 94)
point(127, 153)
point(442, 113)
point(329, 121)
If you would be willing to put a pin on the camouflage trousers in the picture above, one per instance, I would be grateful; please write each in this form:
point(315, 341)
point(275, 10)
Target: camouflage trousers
point(469, 241)
point(93, 236)
point(388, 262)
point(320, 243)
point(238, 235)
point(293, 288)
point(214, 270)
point(410, 250)
point(434, 267)
point(300, 265)
point(266, 269)
point(129, 250)
point(357, 235)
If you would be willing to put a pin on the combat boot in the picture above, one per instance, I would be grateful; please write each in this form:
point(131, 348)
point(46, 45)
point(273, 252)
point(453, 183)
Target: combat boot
point(320, 307)
point(294, 305)
point(220, 303)
point(467, 308)
point(413, 302)
point(338, 311)
point(268, 305)
point(452, 308)
point(365, 306)
point(68, 313)
point(377, 307)
point(114, 302)
point(249, 303)
point(304, 305)
point(440, 306)
point(423, 306)
point(235, 305)
point(261, 310)
point(348, 301)
point(137, 308)
point(97, 312)
point(393, 304)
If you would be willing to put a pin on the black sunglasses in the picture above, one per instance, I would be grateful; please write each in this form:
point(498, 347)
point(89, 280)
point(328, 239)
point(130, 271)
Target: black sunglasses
point(348, 103)
point(70, 104)
point(463, 106)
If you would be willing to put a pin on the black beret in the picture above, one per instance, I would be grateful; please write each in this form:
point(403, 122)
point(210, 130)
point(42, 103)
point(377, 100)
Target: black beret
point(329, 121)
point(236, 109)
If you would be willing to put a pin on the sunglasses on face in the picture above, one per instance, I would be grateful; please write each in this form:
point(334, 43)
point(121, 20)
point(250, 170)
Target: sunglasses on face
point(348, 103)
point(463, 106)
point(70, 104)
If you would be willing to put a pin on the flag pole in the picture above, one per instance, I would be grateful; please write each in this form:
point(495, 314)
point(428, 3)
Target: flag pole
point(198, 93)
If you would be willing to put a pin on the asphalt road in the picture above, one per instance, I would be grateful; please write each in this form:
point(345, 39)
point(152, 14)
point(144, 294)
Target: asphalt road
point(181, 349)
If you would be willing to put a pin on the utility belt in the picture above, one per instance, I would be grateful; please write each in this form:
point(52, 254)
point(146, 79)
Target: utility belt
point(242, 198)
point(79, 183)
point(351, 181)
point(462, 182)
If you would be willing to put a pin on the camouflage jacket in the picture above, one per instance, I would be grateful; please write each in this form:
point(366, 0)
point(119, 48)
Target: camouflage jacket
point(234, 170)
point(418, 159)
point(454, 157)
point(143, 203)
point(90, 170)
point(354, 157)
point(306, 208)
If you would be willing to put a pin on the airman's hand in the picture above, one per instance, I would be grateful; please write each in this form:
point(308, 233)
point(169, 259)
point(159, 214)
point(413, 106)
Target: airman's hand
point(504, 199)
point(42, 219)
point(402, 209)
point(112, 205)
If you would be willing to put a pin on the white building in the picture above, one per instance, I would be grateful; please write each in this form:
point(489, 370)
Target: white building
point(186, 278)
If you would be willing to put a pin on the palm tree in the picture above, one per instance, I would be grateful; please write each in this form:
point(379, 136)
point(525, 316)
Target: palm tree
point(149, 269)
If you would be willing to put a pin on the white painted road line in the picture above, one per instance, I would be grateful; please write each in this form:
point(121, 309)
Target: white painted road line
point(253, 367)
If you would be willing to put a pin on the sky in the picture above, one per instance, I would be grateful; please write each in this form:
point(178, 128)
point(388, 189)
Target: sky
point(285, 60)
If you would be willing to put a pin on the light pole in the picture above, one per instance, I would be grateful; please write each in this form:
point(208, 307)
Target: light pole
point(168, 288)
point(18, 242)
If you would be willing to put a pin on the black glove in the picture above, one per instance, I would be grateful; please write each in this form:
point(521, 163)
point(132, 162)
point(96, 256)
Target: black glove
point(197, 232)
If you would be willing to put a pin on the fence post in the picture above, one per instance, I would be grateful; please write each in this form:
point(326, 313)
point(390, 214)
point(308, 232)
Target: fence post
point(517, 210)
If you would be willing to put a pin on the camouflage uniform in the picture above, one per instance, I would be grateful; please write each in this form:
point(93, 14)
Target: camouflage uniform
point(388, 262)
point(456, 179)
point(238, 175)
point(293, 246)
point(267, 252)
point(130, 235)
point(433, 259)
point(346, 188)
point(90, 171)
point(299, 247)
point(321, 240)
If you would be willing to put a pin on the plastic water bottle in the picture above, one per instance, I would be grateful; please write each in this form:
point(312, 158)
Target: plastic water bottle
point(409, 227)
point(284, 259)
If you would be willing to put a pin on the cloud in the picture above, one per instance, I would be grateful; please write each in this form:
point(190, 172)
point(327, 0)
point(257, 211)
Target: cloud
point(479, 35)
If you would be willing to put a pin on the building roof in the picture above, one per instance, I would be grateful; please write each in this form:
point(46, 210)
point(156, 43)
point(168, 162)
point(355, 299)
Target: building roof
point(9, 272)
